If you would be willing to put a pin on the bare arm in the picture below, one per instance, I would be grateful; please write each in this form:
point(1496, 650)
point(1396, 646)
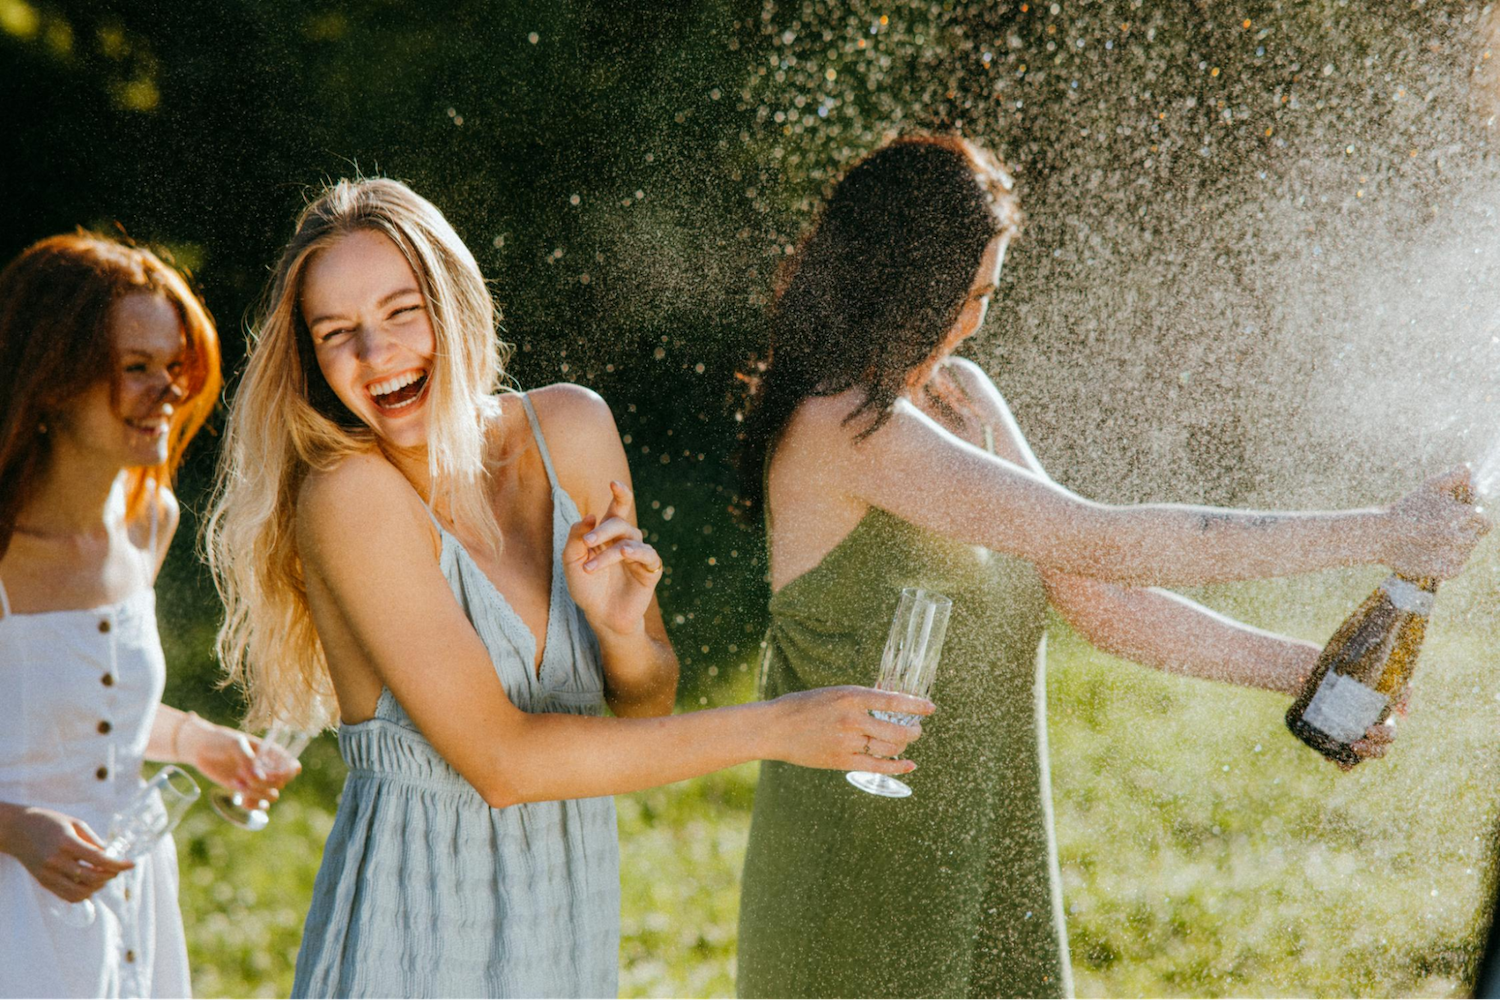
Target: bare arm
point(1154, 627)
point(916, 469)
point(640, 666)
point(367, 553)
point(223, 755)
point(1167, 631)
point(1160, 629)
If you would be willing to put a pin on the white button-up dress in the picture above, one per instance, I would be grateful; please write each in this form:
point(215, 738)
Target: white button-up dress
point(78, 693)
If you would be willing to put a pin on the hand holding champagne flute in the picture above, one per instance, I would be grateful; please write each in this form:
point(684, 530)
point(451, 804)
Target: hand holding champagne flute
point(135, 830)
point(908, 666)
point(276, 757)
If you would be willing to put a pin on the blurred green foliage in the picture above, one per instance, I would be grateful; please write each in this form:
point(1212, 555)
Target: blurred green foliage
point(574, 146)
point(631, 174)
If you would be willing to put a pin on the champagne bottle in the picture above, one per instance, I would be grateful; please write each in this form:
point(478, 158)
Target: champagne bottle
point(1365, 665)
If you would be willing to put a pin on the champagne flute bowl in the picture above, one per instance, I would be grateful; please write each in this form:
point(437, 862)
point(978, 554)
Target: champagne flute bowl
point(135, 830)
point(908, 666)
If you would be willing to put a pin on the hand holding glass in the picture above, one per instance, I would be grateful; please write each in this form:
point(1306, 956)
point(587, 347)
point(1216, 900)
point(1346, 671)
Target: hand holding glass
point(278, 753)
point(908, 666)
point(135, 830)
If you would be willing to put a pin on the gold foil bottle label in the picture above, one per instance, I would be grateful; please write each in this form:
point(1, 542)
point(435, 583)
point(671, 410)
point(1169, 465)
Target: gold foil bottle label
point(1407, 596)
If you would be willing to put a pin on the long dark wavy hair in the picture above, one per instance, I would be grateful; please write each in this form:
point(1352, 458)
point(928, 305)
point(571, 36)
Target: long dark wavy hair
point(876, 285)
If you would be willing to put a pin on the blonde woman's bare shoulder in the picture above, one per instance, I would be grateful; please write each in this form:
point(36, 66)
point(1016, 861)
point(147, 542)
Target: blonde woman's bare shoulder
point(572, 408)
point(362, 496)
point(584, 442)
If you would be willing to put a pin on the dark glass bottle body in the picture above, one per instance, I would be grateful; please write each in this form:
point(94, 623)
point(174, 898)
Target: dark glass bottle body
point(1363, 668)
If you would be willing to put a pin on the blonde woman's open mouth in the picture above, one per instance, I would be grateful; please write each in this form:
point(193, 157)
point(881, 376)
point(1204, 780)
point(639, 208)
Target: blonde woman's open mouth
point(399, 392)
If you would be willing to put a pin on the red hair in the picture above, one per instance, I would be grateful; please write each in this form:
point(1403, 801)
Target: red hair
point(55, 343)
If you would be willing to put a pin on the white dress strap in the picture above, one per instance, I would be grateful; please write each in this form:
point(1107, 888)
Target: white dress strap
point(541, 442)
point(155, 516)
point(4, 601)
point(154, 502)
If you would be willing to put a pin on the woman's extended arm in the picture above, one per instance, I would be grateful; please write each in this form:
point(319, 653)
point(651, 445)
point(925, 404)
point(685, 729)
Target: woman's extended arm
point(916, 469)
point(1157, 628)
point(367, 554)
point(223, 755)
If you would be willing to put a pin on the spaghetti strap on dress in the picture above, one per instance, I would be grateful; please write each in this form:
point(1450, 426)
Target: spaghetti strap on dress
point(424, 889)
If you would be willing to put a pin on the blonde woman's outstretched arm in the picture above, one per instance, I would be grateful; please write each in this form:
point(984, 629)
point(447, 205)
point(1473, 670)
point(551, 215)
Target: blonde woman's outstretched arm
point(381, 604)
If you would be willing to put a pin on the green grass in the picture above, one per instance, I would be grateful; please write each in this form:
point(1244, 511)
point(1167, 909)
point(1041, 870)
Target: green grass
point(1204, 851)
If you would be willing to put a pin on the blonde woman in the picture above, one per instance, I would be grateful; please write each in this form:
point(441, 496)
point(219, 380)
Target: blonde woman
point(459, 577)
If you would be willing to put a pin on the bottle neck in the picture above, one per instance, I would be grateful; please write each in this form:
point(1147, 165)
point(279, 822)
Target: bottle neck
point(1410, 593)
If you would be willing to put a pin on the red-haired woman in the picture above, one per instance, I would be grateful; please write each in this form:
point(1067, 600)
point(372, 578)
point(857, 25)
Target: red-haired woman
point(108, 366)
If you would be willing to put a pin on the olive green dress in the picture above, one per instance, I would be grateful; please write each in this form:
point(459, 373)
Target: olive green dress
point(955, 890)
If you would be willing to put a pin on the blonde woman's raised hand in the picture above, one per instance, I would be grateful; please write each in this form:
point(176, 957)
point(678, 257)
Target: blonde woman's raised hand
point(611, 571)
point(833, 728)
point(1435, 531)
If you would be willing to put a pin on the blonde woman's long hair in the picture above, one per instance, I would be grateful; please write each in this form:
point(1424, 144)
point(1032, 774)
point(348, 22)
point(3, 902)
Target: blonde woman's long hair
point(285, 421)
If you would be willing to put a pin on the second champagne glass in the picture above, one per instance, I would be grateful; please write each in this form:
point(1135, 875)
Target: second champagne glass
point(134, 831)
point(908, 666)
point(279, 749)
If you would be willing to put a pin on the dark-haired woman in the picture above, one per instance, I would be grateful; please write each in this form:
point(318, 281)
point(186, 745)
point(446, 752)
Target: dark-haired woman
point(108, 366)
point(889, 463)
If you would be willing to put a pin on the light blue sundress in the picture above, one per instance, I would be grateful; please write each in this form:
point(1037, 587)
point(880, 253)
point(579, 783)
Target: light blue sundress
point(424, 889)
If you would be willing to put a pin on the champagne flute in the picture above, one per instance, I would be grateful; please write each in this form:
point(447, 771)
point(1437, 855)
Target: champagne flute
point(135, 830)
point(908, 666)
point(279, 749)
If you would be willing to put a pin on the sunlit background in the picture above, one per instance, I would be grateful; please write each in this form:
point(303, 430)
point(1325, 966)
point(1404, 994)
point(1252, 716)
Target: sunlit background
point(1260, 268)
